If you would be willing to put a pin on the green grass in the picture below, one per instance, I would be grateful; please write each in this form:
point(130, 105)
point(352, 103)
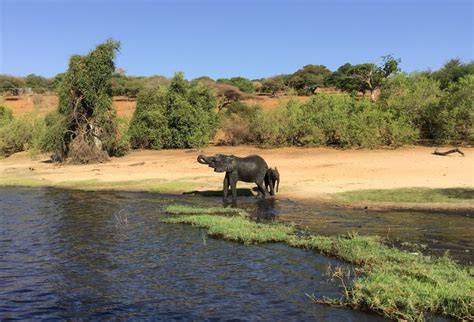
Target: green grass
point(410, 195)
point(154, 185)
point(22, 182)
point(188, 210)
point(391, 282)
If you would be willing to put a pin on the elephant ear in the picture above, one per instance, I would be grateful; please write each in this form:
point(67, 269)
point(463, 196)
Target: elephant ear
point(228, 164)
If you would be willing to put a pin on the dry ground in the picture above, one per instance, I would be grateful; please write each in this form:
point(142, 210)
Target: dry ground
point(46, 103)
point(125, 107)
point(307, 173)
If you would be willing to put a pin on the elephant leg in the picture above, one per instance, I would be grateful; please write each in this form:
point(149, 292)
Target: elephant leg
point(226, 186)
point(261, 189)
point(233, 185)
point(272, 188)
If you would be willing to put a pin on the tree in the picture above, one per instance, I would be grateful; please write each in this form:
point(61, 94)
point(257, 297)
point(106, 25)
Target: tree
point(85, 102)
point(181, 115)
point(306, 80)
point(274, 85)
point(241, 83)
point(10, 84)
point(452, 71)
point(343, 79)
point(365, 77)
point(372, 76)
point(38, 84)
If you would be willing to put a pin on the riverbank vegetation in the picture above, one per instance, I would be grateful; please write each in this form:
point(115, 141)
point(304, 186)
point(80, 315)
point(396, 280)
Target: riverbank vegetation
point(393, 283)
point(175, 113)
point(410, 195)
point(401, 109)
point(151, 185)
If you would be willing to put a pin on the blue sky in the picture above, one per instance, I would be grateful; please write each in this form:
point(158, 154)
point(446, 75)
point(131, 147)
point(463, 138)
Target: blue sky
point(226, 38)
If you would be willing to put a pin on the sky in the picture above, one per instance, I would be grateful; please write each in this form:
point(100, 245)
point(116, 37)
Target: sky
point(227, 38)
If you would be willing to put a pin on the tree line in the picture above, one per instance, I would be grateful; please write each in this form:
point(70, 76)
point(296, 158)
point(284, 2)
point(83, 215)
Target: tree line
point(177, 113)
point(359, 78)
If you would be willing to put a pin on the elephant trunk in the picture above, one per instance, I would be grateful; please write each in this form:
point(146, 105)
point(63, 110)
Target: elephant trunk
point(202, 159)
point(278, 183)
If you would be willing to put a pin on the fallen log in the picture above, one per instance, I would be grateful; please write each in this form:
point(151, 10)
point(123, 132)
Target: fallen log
point(436, 152)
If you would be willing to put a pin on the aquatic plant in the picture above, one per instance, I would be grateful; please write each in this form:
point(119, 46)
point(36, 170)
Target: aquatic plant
point(391, 282)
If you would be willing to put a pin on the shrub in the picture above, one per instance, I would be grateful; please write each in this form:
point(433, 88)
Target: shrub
point(6, 115)
point(17, 135)
point(51, 134)
point(180, 116)
point(238, 123)
point(457, 112)
point(236, 130)
point(149, 127)
point(342, 121)
point(85, 102)
point(441, 116)
point(241, 83)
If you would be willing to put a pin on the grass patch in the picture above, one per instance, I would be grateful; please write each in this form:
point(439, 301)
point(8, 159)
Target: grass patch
point(412, 195)
point(22, 182)
point(391, 282)
point(155, 185)
point(188, 210)
point(237, 229)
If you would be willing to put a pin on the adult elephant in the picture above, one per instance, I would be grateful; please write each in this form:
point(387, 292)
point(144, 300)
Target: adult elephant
point(252, 168)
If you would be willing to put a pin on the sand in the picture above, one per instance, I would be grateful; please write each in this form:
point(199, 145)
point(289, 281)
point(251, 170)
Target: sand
point(306, 173)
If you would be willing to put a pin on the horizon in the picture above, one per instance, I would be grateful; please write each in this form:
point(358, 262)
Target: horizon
point(237, 38)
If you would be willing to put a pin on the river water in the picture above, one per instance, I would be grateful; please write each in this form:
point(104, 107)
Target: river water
point(71, 254)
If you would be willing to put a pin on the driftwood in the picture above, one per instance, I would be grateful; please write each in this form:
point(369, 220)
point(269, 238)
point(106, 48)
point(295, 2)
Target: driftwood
point(436, 152)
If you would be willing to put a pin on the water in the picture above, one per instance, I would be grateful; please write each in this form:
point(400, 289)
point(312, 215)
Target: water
point(71, 254)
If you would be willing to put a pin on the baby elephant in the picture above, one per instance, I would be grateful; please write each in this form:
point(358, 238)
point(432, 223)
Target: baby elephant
point(271, 177)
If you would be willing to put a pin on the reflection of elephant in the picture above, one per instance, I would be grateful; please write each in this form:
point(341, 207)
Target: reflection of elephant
point(249, 169)
point(271, 177)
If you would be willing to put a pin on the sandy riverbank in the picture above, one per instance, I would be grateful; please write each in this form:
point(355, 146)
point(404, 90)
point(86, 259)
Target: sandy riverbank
point(307, 173)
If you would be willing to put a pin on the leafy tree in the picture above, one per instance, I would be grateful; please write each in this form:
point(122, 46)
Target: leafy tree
point(126, 85)
point(344, 80)
point(452, 71)
point(306, 80)
point(365, 77)
point(85, 102)
point(37, 83)
point(6, 115)
point(180, 116)
point(10, 84)
point(190, 113)
point(149, 126)
point(457, 112)
point(241, 83)
point(274, 85)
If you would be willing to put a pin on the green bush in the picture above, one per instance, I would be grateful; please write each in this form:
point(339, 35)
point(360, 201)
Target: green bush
point(438, 115)
point(18, 134)
point(149, 127)
point(241, 83)
point(341, 120)
point(51, 134)
point(457, 112)
point(6, 115)
point(85, 101)
point(237, 121)
point(180, 116)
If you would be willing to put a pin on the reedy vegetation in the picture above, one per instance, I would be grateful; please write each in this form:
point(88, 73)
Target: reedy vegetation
point(388, 281)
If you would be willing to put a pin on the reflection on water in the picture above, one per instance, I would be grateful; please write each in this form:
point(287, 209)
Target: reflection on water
point(72, 254)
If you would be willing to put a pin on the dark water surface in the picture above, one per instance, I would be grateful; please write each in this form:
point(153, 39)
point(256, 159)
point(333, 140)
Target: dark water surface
point(71, 254)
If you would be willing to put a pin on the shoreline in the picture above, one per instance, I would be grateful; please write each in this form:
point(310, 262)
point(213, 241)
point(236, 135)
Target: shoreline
point(309, 175)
